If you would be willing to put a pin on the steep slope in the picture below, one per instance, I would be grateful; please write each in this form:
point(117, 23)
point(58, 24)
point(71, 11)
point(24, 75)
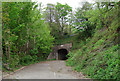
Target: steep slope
point(98, 57)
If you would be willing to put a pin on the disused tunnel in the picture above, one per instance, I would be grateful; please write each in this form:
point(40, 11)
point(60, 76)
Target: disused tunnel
point(62, 54)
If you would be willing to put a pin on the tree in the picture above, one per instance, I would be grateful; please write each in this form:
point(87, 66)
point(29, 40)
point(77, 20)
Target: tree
point(26, 37)
point(81, 24)
point(63, 11)
point(105, 9)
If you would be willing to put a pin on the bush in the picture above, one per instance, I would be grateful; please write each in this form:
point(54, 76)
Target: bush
point(98, 58)
point(27, 59)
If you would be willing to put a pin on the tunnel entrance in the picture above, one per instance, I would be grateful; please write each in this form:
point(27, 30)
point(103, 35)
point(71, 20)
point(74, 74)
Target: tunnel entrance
point(62, 54)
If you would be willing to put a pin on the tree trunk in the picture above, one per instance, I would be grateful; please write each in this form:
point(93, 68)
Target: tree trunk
point(9, 51)
point(62, 27)
point(6, 52)
point(5, 42)
point(28, 40)
point(34, 41)
point(50, 19)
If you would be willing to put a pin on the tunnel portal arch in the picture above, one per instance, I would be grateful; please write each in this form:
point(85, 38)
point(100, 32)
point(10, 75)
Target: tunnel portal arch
point(59, 52)
point(62, 54)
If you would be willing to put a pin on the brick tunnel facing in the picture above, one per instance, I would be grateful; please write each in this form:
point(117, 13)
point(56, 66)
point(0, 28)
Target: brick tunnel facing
point(62, 54)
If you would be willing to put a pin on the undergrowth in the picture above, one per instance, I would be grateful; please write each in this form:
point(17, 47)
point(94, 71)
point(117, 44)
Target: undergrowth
point(98, 57)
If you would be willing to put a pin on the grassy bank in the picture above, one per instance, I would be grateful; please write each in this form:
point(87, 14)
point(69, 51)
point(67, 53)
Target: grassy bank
point(98, 57)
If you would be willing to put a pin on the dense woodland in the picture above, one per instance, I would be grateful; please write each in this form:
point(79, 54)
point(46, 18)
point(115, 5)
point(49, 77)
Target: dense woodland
point(30, 31)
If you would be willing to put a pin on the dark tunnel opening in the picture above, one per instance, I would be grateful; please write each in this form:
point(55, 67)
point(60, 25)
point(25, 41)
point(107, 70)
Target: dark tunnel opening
point(62, 54)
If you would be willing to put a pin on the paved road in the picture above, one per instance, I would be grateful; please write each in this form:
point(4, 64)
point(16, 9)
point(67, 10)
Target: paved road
point(46, 70)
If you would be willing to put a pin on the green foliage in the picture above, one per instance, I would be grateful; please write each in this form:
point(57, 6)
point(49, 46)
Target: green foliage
point(96, 63)
point(63, 10)
point(98, 56)
point(34, 51)
point(57, 18)
point(26, 59)
point(82, 23)
point(26, 36)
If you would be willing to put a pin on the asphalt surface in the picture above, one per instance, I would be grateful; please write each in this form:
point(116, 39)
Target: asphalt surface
point(46, 70)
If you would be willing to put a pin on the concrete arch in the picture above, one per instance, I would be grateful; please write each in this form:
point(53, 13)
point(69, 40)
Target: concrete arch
point(63, 48)
point(59, 50)
point(62, 53)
